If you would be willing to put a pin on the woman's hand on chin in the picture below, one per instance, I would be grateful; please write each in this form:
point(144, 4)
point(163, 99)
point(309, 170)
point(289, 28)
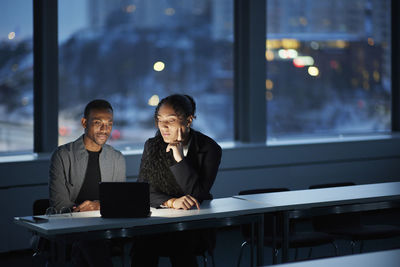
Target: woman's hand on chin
point(176, 147)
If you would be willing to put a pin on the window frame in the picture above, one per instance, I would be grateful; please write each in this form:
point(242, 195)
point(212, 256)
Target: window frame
point(249, 73)
point(45, 75)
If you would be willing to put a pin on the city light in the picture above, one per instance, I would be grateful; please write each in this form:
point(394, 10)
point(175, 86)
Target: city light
point(303, 21)
point(130, 8)
point(366, 85)
point(283, 43)
point(334, 64)
point(269, 55)
point(269, 95)
point(376, 76)
point(371, 41)
point(341, 44)
point(153, 101)
point(273, 44)
point(64, 131)
point(11, 35)
point(269, 84)
point(115, 135)
point(290, 43)
point(159, 66)
point(287, 53)
point(169, 11)
point(313, 71)
point(314, 45)
point(302, 61)
point(365, 74)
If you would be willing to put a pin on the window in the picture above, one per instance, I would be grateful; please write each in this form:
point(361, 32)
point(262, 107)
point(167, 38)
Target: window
point(133, 53)
point(328, 68)
point(16, 76)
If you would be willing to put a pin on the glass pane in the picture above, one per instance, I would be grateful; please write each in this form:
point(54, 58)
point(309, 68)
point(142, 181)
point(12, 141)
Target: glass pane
point(135, 52)
point(16, 76)
point(328, 68)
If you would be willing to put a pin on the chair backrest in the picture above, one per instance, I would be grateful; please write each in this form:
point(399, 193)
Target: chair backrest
point(262, 190)
point(268, 218)
point(317, 186)
point(334, 221)
point(40, 206)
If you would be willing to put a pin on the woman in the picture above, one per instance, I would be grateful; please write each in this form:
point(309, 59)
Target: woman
point(180, 164)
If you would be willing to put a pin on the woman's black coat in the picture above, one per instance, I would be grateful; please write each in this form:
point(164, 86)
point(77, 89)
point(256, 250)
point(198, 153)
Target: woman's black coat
point(195, 174)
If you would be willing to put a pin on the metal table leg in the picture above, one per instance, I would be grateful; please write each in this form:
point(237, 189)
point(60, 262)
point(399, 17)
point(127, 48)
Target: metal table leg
point(260, 241)
point(285, 236)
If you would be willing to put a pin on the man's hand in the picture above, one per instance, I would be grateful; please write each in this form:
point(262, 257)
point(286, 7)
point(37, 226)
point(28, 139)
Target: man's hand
point(186, 203)
point(87, 206)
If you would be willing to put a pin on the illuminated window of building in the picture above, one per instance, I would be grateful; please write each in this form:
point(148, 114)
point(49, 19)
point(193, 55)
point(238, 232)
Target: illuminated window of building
point(133, 53)
point(330, 66)
point(16, 76)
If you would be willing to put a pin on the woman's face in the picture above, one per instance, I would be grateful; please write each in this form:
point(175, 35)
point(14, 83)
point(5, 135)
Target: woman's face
point(170, 124)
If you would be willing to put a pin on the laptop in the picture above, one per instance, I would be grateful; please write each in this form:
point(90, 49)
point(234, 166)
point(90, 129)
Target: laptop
point(124, 199)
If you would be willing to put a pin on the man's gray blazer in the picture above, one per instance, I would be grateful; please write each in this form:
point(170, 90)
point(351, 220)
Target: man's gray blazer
point(68, 168)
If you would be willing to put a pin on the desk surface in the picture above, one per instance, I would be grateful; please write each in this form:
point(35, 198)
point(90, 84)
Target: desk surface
point(91, 221)
point(389, 258)
point(224, 207)
point(310, 198)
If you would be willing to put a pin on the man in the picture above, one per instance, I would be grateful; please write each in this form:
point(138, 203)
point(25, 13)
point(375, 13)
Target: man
point(77, 167)
point(75, 172)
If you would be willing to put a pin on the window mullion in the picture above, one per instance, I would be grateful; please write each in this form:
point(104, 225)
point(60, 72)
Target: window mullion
point(249, 51)
point(45, 54)
point(395, 25)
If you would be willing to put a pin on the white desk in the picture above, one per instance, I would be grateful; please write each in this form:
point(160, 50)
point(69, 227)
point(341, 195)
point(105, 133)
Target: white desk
point(312, 198)
point(344, 199)
point(214, 213)
point(389, 258)
point(223, 212)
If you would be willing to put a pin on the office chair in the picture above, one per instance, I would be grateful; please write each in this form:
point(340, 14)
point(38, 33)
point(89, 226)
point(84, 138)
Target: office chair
point(40, 206)
point(297, 239)
point(39, 245)
point(349, 226)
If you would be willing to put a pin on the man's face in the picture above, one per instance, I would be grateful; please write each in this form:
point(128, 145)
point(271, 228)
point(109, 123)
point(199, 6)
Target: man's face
point(98, 126)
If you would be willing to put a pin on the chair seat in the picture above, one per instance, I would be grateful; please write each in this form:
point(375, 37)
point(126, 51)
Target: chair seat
point(366, 232)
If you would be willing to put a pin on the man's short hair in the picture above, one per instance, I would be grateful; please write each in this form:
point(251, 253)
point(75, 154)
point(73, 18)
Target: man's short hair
point(97, 104)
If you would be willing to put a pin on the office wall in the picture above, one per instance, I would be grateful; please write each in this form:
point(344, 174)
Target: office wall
point(242, 167)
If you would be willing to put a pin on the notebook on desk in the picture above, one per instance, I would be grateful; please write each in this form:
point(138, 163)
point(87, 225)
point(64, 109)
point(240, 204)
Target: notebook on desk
point(124, 199)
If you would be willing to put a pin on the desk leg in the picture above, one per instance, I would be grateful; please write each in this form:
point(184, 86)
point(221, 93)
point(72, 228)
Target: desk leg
point(274, 246)
point(260, 241)
point(252, 245)
point(285, 236)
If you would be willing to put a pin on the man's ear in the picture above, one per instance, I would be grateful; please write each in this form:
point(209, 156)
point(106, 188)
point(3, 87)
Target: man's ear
point(84, 123)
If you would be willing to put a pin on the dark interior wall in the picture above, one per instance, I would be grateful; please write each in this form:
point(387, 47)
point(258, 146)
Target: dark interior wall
point(301, 177)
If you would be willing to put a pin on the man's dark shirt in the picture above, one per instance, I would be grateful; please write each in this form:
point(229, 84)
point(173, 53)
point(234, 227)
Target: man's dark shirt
point(90, 187)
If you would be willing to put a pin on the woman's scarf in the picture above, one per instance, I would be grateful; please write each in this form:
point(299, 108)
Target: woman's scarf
point(156, 168)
